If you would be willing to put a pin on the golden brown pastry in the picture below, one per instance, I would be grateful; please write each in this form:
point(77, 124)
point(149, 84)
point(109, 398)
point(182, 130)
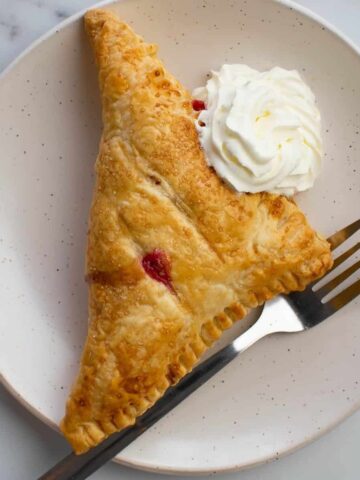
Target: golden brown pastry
point(174, 256)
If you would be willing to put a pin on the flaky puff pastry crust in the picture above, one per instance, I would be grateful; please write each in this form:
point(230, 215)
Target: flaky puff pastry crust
point(154, 191)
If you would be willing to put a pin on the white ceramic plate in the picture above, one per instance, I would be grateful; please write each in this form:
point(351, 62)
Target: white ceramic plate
point(283, 392)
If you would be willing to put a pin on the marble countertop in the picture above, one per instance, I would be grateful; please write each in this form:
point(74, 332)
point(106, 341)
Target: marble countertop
point(27, 446)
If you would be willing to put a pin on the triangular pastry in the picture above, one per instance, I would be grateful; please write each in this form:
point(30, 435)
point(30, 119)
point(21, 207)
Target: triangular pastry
point(174, 255)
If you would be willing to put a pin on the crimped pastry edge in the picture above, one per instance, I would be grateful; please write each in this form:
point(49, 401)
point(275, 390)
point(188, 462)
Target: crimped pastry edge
point(89, 434)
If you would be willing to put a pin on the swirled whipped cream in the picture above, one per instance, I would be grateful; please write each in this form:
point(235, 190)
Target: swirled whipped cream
point(260, 131)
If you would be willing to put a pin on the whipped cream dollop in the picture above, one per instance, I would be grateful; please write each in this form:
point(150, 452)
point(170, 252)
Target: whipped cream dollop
point(261, 131)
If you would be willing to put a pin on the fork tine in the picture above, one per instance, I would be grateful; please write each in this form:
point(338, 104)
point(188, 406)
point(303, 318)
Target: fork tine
point(328, 287)
point(345, 296)
point(339, 237)
point(339, 260)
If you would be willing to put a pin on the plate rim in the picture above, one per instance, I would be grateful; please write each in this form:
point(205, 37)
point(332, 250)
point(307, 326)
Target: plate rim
point(138, 464)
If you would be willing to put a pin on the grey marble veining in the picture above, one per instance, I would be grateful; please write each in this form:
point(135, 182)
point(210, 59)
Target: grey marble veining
point(28, 447)
point(23, 21)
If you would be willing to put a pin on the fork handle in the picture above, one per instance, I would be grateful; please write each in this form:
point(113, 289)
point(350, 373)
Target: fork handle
point(78, 467)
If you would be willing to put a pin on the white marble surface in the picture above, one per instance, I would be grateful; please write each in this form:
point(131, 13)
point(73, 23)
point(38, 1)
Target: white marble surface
point(27, 447)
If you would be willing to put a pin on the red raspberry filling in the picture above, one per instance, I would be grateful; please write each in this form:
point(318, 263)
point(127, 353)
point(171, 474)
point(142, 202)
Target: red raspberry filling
point(198, 105)
point(157, 265)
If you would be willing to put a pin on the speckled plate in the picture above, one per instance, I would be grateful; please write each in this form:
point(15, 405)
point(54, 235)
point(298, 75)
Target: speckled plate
point(282, 393)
